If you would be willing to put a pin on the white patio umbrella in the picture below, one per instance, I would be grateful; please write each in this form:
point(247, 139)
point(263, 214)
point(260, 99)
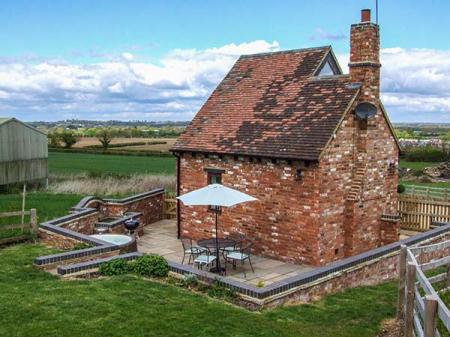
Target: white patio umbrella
point(215, 195)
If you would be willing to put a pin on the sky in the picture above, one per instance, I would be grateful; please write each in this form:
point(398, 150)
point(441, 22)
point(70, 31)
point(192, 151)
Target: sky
point(160, 60)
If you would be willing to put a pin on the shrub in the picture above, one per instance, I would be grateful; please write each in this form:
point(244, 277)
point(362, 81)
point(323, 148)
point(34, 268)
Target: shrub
point(81, 245)
point(401, 188)
point(218, 290)
point(190, 281)
point(114, 267)
point(427, 154)
point(151, 265)
point(53, 139)
point(69, 139)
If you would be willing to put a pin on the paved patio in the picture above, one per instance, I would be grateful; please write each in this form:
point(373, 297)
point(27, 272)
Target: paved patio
point(161, 238)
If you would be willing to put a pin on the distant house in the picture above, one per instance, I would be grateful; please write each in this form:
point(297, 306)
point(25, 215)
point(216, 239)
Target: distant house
point(23, 152)
point(314, 146)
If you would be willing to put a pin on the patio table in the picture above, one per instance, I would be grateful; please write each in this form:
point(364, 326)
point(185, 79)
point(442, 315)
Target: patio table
point(216, 244)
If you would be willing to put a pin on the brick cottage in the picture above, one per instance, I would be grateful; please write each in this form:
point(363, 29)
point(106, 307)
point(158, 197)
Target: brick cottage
point(314, 146)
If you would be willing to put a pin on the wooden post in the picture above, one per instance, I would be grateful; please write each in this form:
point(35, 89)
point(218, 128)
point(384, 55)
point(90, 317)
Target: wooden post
point(448, 276)
point(431, 307)
point(33, 221)
point(24, 193)
point(401, 281)
point(410, 298)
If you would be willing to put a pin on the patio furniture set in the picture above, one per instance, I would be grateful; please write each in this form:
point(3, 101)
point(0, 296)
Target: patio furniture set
point(208, 253)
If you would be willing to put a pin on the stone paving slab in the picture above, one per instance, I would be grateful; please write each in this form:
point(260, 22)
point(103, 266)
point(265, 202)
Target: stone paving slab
point(161, 238)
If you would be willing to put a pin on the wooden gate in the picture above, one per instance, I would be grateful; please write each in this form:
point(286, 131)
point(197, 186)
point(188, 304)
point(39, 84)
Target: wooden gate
point(170, 205)
point(418, 213)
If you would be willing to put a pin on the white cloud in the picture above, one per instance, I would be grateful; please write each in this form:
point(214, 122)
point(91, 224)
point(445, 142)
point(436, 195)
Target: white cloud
point(128, 56)
point(120, 88)
point(415, 84)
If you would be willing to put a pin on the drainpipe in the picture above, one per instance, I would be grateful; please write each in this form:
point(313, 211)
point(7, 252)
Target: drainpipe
point(178, 155)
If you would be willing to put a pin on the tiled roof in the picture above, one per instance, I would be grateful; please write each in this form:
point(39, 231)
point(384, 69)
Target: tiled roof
point(271, 105)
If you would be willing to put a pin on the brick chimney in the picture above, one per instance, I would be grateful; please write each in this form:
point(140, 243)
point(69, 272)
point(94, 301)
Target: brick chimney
point(365, 57)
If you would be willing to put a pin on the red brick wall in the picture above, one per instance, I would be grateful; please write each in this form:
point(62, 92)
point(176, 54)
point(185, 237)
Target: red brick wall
point(151, 207)
point(366, 274)
point(352, 227)
point(365, 59)
point(283, 222)
point(84, 225)
point(54, 240)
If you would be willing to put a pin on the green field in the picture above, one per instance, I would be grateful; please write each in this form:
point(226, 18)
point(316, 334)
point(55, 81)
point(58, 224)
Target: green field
point(34, 303)
point(73, 163)
point(416, 165)
point(48, 205)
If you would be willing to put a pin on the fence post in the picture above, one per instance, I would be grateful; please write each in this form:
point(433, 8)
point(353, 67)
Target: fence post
point(448, 275)
point(33, 221)
point(430, 316)
point(410, 298)
point(401, 281)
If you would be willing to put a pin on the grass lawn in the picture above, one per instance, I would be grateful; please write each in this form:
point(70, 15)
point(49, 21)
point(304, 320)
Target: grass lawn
point(416, 165)
point(438, 184)
point(70, 163)
point(33, 303)
point(48, 205)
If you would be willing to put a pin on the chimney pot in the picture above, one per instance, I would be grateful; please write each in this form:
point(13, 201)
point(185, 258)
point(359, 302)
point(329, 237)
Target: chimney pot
point(365, 15)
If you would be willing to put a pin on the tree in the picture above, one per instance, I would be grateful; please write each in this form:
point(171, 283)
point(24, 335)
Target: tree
point(68, 138)
point(105, 137)
point(54, 139)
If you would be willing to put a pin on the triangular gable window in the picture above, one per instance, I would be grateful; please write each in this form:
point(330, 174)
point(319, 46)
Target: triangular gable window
point(326, 70)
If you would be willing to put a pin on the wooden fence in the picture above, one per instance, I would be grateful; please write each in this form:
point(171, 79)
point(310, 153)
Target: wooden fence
point(419, 304)
point(426, 192)
point(417, 213)
point(170, 205)
point(31, 226)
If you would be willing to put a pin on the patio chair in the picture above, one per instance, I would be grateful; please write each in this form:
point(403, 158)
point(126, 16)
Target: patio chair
point(205, 259)
point(190, 249)
point(238, 238)
point(241, 254)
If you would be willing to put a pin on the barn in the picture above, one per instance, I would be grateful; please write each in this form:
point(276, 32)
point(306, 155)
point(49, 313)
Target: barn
point(23, 152)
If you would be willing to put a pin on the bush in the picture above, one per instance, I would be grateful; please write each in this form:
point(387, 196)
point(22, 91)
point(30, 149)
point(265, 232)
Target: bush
point(82, 245)
point(190, 281)
point(114, 267)
point(69, 139)
point(150, 265)
point(426, 154)
point(218, 290)
point(401, 188)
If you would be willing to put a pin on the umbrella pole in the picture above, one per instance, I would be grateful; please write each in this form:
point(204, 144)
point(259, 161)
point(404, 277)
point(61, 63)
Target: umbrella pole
point(217, 244)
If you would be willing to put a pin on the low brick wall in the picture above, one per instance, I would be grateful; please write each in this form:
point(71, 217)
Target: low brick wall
point(369, 268)
point(84, 225)
point(57, 240)
point(150, 204)
point(68, 231)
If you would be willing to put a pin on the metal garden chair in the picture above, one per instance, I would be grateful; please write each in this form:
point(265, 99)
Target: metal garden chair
point(190, 249)
point(205, 259)
point(242, 254)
